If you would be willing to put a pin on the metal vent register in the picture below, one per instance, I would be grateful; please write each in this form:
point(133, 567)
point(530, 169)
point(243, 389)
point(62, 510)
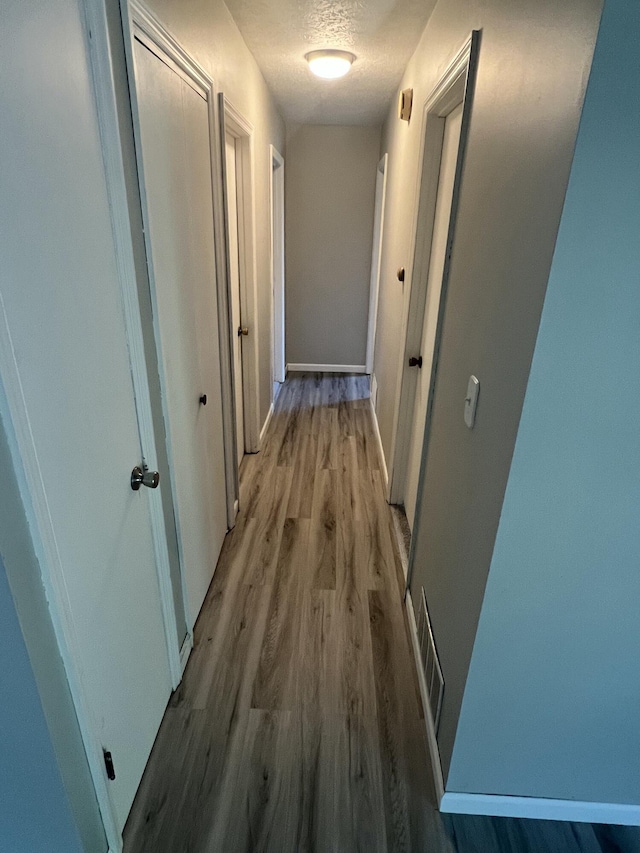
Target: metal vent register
point(430, 663)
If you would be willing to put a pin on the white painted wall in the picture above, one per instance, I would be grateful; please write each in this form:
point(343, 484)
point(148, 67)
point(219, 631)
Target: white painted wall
point(330, 184)
point(47, 803)
point(206, 30)
point(533, 65)
point(551, 705)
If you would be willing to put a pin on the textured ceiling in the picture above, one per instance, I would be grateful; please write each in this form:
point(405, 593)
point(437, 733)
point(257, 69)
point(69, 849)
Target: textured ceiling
point(382, 33)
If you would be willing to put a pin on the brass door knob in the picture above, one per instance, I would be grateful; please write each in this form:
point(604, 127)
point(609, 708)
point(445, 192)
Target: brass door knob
point(243, 330)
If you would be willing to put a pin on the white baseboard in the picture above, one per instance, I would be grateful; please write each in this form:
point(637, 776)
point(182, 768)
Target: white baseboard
point(265, 425)
point(327, 368)
point(374, 389)
point(185, 651)
point(541, 809)
point(404, 556)
point(383, 461)
point(432, 743)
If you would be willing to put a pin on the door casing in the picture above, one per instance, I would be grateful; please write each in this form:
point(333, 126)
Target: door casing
point(276, 193)
point(233, 123)
point(455, 85)
point(376, 259)
point(141, 23)
point(450, 144)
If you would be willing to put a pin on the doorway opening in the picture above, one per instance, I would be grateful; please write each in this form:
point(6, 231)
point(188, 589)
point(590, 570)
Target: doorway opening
point(237, 139)
point(278, 372)
point(445, 121)
point(376, 257)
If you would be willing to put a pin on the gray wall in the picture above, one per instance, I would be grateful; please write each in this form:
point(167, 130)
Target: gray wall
point(533, 65)
point(47, 802)
point(330, 182)
point(551, 706)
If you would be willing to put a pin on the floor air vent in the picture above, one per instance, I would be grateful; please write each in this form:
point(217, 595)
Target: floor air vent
point(430, 663)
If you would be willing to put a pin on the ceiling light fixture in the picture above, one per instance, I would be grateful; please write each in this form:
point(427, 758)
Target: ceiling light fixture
point(329, 64)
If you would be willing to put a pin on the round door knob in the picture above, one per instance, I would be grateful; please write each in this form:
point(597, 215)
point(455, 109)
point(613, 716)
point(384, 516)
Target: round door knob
point(150, 479)
point(203, 400)
point(415, 362)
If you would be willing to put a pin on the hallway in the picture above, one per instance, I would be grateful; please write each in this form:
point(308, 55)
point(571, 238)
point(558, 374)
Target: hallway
point(298, 726)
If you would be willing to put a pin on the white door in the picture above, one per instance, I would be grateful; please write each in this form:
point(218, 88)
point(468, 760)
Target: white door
point(176, 161)
point(67, 380)
point(376, 257)
point(277, 265)
point(236, 302)
point(450, 144)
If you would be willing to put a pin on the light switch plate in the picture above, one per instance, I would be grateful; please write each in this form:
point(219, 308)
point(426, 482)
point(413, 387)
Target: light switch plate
point(471, 401)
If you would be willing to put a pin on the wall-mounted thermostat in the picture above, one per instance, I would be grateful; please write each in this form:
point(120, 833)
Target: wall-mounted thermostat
point(471, 401)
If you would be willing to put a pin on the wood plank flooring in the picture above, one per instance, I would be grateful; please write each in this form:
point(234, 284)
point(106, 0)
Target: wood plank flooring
point(297, 726)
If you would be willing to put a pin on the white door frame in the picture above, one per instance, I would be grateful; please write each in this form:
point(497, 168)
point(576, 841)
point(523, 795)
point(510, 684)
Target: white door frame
point(376, 258)
point(276, 195)
point(236, 125)
point(454, 86)
point(143, 25)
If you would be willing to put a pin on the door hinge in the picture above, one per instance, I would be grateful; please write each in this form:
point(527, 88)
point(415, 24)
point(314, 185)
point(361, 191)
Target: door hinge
point(108, 763)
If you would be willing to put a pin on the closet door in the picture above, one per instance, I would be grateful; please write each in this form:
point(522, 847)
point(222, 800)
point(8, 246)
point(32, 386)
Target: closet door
point(176, 181)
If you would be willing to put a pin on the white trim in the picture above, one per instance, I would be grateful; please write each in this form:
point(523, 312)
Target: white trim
point(140, 23)
point(104, 88)
point(226, 351)
point(454, 86)
point(376, 259)
point(376, 429)
point(276, 196)
point(404, 556)
point(237, 126)
point(327, 368)
point(185, 651)
point(156, 34)
point(541, 809)
point(265, 425)
point(432, 743)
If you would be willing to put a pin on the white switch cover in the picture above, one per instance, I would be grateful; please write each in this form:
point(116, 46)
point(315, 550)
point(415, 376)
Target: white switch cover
point(471, 401)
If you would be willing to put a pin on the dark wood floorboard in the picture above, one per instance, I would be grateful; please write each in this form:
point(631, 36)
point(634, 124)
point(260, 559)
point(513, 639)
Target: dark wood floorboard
point(298, 726)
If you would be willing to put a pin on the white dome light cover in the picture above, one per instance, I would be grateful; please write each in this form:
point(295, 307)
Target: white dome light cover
point(329, 64)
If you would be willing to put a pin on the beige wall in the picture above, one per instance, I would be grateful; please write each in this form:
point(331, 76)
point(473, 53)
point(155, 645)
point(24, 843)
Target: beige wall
point(533, 66)
point(206, 30)
point(330, 179)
